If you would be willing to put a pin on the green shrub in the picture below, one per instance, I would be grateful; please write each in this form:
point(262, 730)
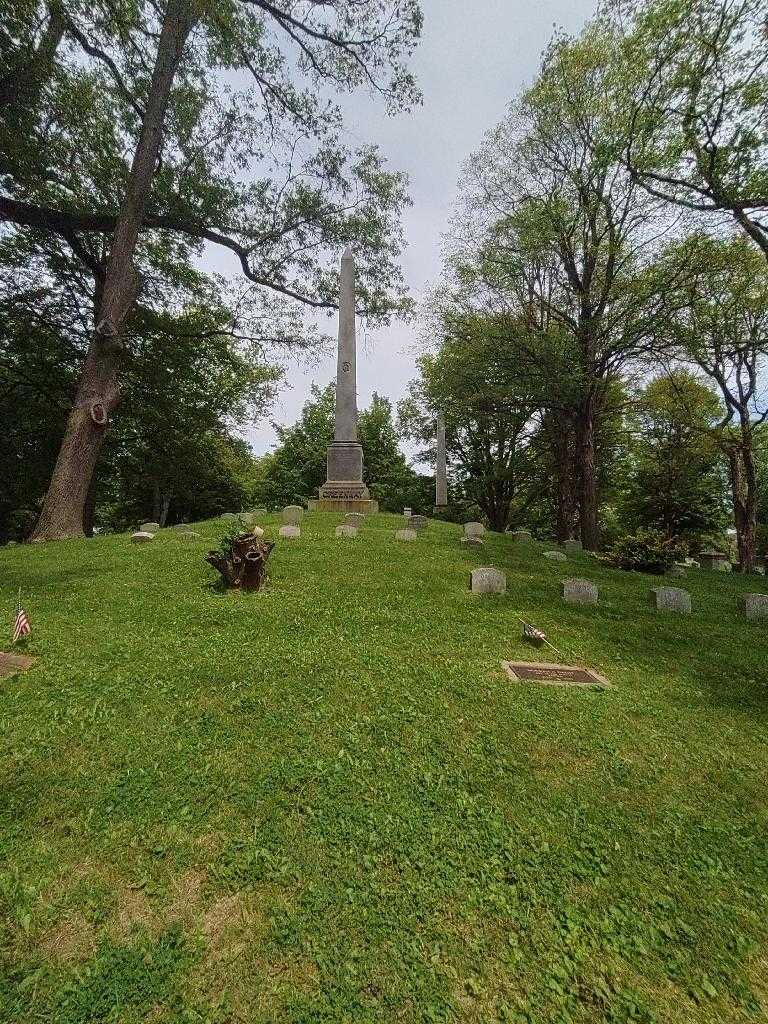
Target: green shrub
point(647, 551)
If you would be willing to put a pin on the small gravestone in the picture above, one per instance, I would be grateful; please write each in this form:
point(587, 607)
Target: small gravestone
point(715, 561)
point(756, 606)
point(10, 664)
point(555, 675)
point(149, 527)
point(407, 512)
point(257, 531)
point(346, 531)
point(228, 517)
point(556, 556)
point(671, 599)
point(488, 581)
point(292, 515)
point(473, 542)
point(354, 519)
point(406, 535)
point(181, 526)
point(522, 536)
point(190, 535)
point(572, 547)
point(142, 537)
point(578, 591)
point(290, 532)
point(474, 530)
point(417, 522)
point(677, 570)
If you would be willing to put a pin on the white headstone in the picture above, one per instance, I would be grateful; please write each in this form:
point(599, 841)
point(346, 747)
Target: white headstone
point(671, 599)
point(578, 591)
point(142, 537)
point(346, 531)
point(290, 532)
point(488, 581)
point(756, 606)
point(292, 515)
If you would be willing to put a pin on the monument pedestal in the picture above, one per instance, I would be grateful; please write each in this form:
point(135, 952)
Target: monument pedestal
point(344, 490)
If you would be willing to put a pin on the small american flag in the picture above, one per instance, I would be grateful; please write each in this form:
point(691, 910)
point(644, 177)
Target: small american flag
point(21, 626)
point(533, 635)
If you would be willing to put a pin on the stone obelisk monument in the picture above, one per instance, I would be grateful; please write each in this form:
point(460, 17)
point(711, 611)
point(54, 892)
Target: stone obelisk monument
point(344, 490)
point(441, 469)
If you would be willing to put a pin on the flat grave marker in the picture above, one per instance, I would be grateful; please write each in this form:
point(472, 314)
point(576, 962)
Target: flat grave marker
point(555, 675)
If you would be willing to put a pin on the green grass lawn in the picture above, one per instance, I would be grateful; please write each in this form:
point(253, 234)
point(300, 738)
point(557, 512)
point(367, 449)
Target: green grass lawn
point(326, 803)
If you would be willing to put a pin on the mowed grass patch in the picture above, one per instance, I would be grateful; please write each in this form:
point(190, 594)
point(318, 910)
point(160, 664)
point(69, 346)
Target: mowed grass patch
point(326, 802)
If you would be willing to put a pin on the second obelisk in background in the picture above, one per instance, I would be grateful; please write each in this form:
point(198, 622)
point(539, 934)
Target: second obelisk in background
point(344, 490)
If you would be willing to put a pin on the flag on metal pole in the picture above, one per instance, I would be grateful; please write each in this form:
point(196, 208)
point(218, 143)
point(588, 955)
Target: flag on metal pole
point(21, 626)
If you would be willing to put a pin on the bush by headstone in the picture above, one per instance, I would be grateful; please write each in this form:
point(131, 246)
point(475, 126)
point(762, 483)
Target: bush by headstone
point(648, 551)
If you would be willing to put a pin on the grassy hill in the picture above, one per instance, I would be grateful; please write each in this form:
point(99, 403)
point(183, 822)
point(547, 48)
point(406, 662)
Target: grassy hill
point(326, 803)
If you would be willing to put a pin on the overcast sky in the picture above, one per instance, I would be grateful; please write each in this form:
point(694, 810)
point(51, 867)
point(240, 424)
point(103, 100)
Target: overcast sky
point(469, 66)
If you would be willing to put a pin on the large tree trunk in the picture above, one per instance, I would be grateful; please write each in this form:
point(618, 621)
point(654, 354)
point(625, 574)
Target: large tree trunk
point(587, 469)
point(560, 433)
point(98, 393)
point(744, 497)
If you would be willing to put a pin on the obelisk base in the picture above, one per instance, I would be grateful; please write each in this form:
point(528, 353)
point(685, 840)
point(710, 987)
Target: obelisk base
point(344, 490)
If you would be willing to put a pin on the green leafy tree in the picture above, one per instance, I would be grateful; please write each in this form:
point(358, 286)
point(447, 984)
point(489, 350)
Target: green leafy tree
point(720, 326)
point(562, 236)
point(677, 484)
point(126, 133)
point(693, 90)
point(489, 418)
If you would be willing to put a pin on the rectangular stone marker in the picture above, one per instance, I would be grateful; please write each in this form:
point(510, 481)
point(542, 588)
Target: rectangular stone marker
point(756, 606)
point(716, 561)
point(554, 675)
point(572, 547)
point(577, 591)
point(488, 581)
point(417, 522)
point(671, 599)
point(523, 536)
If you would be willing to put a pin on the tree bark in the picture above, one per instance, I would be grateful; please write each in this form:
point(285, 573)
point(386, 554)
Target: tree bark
point(98, 393)
point(744, 498)
point(587, 469)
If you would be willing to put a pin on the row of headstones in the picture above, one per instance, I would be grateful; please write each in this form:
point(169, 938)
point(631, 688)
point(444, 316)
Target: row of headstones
point(579, 591)
point(146, 532)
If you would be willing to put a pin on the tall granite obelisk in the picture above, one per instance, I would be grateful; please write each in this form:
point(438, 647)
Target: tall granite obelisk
point(441, 468)
point(344, 490)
